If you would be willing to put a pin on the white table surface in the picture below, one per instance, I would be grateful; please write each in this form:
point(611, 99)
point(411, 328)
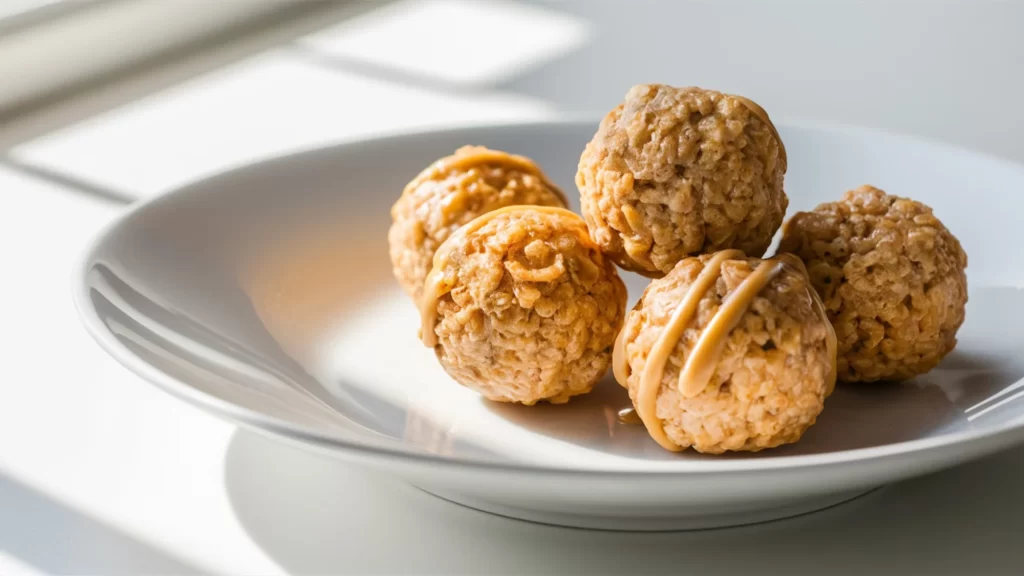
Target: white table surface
point(102, 474)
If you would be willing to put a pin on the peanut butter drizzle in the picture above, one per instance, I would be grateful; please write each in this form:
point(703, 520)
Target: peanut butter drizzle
point(703, 359)
point(760, 113)
point(620, 366)
point(434, 287)
point(469, 156)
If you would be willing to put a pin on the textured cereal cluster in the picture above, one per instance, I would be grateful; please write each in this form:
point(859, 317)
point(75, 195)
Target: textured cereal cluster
point(532, 308)
point(892, 279)
point(450, 193)
point(529, 303)
point(675, 172)
point(771, 379)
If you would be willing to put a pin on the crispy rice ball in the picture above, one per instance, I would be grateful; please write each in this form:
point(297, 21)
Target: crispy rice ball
point(450, 193)
point(892, 278)
point(528, 308)
point(676, 172)
point(772, 376)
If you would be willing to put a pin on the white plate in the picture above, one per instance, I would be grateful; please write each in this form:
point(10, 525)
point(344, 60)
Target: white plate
point(265, 296)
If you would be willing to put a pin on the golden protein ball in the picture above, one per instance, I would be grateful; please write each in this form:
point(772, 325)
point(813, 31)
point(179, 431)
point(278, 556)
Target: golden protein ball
point(727, 353)
point(678, 172)
point(522, 306)
point(892, 278)
point(450, 193)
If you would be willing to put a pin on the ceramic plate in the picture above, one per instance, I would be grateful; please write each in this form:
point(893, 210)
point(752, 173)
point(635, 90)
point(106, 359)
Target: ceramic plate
point(265, 296)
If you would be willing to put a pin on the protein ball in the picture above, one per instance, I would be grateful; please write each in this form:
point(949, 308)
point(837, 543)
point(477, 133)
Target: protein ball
point(522, 306)
point(450, 193)
point(677, 172)
point(892, 278)
point(728, 353)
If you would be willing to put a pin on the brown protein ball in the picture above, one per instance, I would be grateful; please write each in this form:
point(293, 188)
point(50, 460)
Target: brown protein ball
point(676, 172)
point(521, 306)
point(892, 279)
point(727, 353)
point(450, 193)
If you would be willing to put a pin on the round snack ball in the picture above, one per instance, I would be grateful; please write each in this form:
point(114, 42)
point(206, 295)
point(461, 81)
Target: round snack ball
point(727, 353)
point(892, 279)
point(677, 172)
point(521, 306)
point(450, 193)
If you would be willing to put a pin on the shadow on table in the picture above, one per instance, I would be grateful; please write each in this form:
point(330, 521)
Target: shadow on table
point(312, 514)
point(54, 539)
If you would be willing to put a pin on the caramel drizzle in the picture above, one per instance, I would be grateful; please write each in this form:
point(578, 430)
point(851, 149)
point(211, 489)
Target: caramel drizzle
point(760, 113)
point(470, 156)
point(703, 359)
point(435, 286)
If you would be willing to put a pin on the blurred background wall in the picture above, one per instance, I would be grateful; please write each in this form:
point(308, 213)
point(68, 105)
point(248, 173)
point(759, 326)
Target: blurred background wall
point(943, 69)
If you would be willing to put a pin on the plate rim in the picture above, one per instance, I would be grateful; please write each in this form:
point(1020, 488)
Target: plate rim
point(993, 438)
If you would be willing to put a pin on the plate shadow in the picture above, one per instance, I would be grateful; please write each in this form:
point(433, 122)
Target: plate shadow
point(313, 514)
